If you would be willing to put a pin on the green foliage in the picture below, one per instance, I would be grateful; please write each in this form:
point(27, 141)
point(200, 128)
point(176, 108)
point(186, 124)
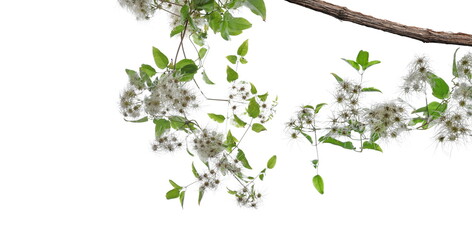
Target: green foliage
point(318, 183)
point(160, 59)
point(272, 161)
point(254, 109)
point(217, 117)
point(257, 127)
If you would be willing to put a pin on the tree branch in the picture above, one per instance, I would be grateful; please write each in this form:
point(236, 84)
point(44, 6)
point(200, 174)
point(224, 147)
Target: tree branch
point(421, 34)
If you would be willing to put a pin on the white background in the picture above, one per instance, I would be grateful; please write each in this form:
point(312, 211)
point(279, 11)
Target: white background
point(71, 168)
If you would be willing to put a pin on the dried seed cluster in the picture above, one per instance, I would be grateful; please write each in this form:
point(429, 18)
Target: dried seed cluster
point(417, 77)
point(387, 119)
point(167, 143)
point(130, 104)
point(208, 180)
point(248, 197)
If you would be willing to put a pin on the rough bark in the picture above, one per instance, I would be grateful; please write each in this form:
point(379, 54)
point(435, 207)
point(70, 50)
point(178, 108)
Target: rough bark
point(421, 34)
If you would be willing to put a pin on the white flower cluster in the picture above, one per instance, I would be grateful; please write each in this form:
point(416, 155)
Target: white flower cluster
point(224, 166)
point(417, 78)
point(387, 119)
point(142, 9)
point(130, 105)
point(208, 144)
point(464, 67)
point(167, 143)
point(248, 197)
point(170, 96)
point(240, 94)
point(208, 180)
point(453, 127)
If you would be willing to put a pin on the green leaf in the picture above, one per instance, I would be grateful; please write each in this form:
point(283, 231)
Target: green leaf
point(363, 58)
point(242, 60)
point(232, 59)
point(202, 52)
point(186, 66)
point(253, 108)
point(179, 123)
point(253, 89)
point(237, 25)
point(200, 195)
point(174, 193)
point(319, 106)
point(374, 136)
point(455, 73)
point(439, 86)
point(339, 79)
point(370, 89)
point(150, 71)
point(257, 127)
point(257, 7)
point(182, 198)
point(434, 110)
point(315, 163)
point(243, 48)
point(141, 120)
point(230, 141)
point(162, 125)
point(346, 145)
point(239, 122)
point(175, 185)
point(206, 79)
point(263, 97)
point(231, 75)
point(242, 157)
point(217, 117)
point(194, 171)
point(308, 137)
point(353, 64)
point(184, 13)
point(272, 161)
point(215, 20)
point(178, 29)
point(371, 63)
point(159, 58)
point(371, 145)
point(318, 183)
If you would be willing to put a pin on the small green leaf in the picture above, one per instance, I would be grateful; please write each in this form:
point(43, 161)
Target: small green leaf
point(239, 122)
point(174, 193)
point(253, 89)
point(217, 117)
point(243, 49)
point(182, 198)
point(162, 125)
point(178, 122)
point(257, 7)
point(319, 106)
point(353, 64)
point(434, 110)
point(257, 127)
point(159, 58)
point(338, 78)
point(206, 79)
point(439, 86)
point(231, 75)
point(184, 12)
point(318, 183)
point(374, 136)
point(202, 52)
point(253, 109)
point(371, 145)
point(232, 59)
point(308, 137)
point(242, 157)
point(236, 27)
point(346, 145)
point(200, 195)
point(370, 89)
point(272, 161)
point(363, 58)
point(455, 73)
point(175, 185)
point(263, 97)
point(178, 29)
point(315, 163)
point(230, 141)
point(141, 120)
point(194, 171)
point(150, 71)
point(242, 60)
point(371, 63)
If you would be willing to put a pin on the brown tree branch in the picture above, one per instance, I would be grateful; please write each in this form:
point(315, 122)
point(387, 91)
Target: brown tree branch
point(421, 34)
